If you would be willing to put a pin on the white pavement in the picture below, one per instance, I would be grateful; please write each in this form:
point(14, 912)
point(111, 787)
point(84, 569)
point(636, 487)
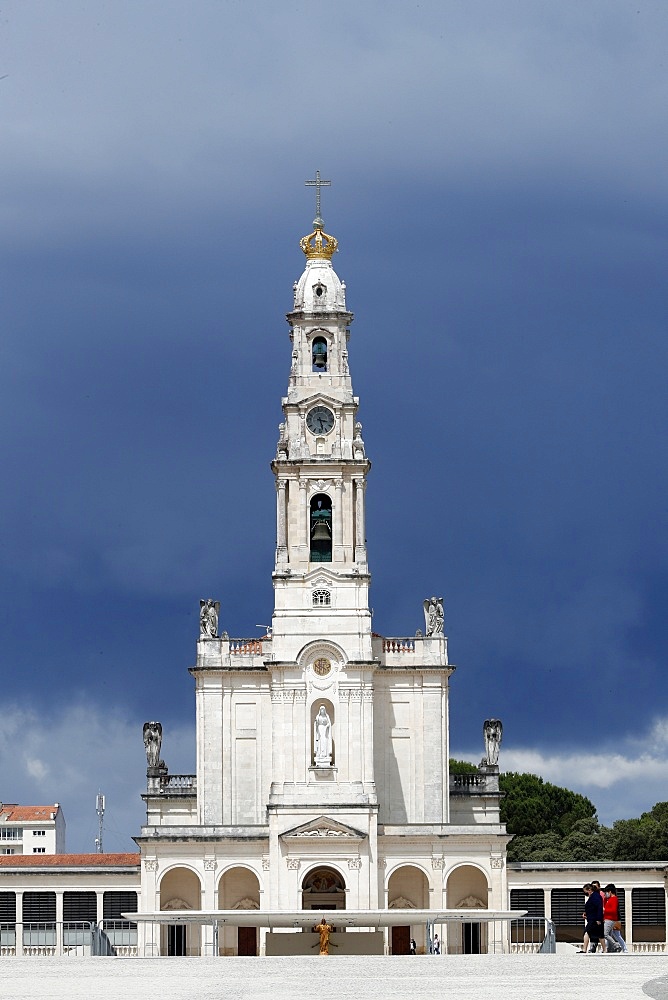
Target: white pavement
point(462, 977)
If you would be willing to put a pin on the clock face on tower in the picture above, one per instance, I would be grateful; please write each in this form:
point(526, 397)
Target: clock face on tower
point(320, 420)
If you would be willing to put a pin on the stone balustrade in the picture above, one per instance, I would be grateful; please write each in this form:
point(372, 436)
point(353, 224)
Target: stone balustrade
point(412, 652)
point(175, 784)
point(245, 647)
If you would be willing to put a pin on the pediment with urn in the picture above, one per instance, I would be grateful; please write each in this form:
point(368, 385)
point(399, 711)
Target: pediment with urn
point(324, 828)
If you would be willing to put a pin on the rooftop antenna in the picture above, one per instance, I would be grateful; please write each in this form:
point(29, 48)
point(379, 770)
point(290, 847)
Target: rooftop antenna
point(267, 629)
point(99, 809)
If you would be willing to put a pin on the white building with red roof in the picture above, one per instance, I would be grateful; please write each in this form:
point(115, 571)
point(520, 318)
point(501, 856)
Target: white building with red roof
point(28, 830)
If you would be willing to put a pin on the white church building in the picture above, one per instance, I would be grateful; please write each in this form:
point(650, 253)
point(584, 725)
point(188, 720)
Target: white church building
point(322, 749)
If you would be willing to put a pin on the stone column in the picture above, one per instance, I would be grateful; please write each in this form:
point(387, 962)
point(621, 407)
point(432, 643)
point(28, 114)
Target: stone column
point(209, 902)
point(301, 736)
point(304, 539)
point(367, 734)
point(337, 549)
point(19, 922)
point(628, 918)
point(59, 922)
point(281, 532)
point(360, 527)
point(277, 741)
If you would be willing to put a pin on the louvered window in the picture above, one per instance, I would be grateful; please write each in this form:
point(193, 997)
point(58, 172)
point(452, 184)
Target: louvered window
point(567, 906)
point(531, 900)
point(79, 906)
point(116, 903)
point(649, 907)
point(7, 907)
point(39, 907)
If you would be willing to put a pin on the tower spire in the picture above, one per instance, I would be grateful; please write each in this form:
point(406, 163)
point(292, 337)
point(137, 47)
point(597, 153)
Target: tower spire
point(317, 184)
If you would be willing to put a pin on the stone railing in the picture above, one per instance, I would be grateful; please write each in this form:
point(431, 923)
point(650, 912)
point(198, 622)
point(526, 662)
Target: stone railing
point(411, 651)
point(245, 647)
point(398, 645)
point(184, 784)
point(480, 782)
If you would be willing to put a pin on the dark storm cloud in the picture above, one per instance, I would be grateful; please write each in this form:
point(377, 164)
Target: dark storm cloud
point(500, 199)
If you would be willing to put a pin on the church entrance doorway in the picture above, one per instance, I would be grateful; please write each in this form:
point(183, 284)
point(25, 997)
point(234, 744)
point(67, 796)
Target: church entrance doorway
point(323, 889)
point(401, 940)
point(247, 941)
point(176, 940)
point(471, 939)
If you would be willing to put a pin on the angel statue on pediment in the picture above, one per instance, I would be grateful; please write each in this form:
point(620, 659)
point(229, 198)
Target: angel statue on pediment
point(434, 618)
point(208, 619)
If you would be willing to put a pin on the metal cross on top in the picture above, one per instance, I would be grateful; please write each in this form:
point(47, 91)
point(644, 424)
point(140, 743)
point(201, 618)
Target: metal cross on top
point(317, 184)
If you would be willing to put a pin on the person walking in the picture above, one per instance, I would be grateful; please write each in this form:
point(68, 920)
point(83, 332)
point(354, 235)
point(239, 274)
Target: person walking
point(593, 915)
point(612, 924)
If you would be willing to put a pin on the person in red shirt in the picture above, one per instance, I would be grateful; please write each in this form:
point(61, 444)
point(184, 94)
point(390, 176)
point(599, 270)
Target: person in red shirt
point(613, 937)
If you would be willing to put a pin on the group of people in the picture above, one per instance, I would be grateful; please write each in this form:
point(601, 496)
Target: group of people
point(601, 916)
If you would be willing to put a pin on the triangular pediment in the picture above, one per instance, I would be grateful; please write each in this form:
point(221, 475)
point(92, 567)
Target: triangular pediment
point(320, 577)
point(324, 828)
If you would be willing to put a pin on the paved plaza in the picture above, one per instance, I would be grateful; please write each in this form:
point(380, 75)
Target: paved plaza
point(466, 977)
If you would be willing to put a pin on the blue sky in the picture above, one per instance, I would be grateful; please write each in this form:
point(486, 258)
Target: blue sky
point(500, 197)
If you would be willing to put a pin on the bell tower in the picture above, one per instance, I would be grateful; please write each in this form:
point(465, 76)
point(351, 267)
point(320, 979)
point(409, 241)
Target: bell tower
point(321, 577)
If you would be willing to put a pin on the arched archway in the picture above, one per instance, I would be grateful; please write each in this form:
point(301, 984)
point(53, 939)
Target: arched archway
point(323, 888)
point(238, 889)
point(180, 889)
point(467, 889)
point(408, 888)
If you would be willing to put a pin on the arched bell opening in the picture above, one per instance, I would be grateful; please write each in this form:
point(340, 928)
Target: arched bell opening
point(320, 528)
point(319, 354)
point(323, 888)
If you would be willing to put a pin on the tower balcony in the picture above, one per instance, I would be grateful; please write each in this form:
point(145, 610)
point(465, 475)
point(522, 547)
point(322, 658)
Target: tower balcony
point(411, 652)
point(233, 654)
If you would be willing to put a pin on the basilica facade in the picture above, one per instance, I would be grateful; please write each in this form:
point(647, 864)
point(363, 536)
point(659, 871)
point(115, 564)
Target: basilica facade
point(322, 748)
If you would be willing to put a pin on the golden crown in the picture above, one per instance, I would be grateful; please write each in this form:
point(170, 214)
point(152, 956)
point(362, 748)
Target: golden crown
point(319, 245)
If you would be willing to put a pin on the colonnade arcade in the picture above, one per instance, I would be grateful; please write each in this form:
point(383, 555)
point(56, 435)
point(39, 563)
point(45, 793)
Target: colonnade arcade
point(322, 888)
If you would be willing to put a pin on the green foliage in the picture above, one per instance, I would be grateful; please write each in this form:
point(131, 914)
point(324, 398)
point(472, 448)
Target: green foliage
point(642, 839)
point(532, 806)
point(462, 766)
point(554, 824)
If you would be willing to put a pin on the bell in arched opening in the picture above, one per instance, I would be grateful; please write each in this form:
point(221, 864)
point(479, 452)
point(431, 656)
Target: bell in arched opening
point(319, 354)
point(321, 528)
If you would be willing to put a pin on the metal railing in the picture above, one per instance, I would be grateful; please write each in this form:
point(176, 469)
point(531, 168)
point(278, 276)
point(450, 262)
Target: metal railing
point(523, 936)
point(75, 938)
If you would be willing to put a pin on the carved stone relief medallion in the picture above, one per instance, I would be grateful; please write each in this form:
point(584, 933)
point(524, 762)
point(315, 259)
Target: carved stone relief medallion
point(322, 666)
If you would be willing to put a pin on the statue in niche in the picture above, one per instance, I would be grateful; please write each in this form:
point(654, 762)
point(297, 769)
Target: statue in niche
point(358, 443)
point(493, 732)
point(283, 444)
point(293, 366)
point(322, 739)
point(344, 363)
point(208, 619)
point(434, 617)
point(152, 743)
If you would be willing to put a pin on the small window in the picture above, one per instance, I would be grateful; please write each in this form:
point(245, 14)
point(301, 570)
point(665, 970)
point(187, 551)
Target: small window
point(322, 598)
point(39, 833)
point(39, 850)
point(8, 850)
point(11, 833)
